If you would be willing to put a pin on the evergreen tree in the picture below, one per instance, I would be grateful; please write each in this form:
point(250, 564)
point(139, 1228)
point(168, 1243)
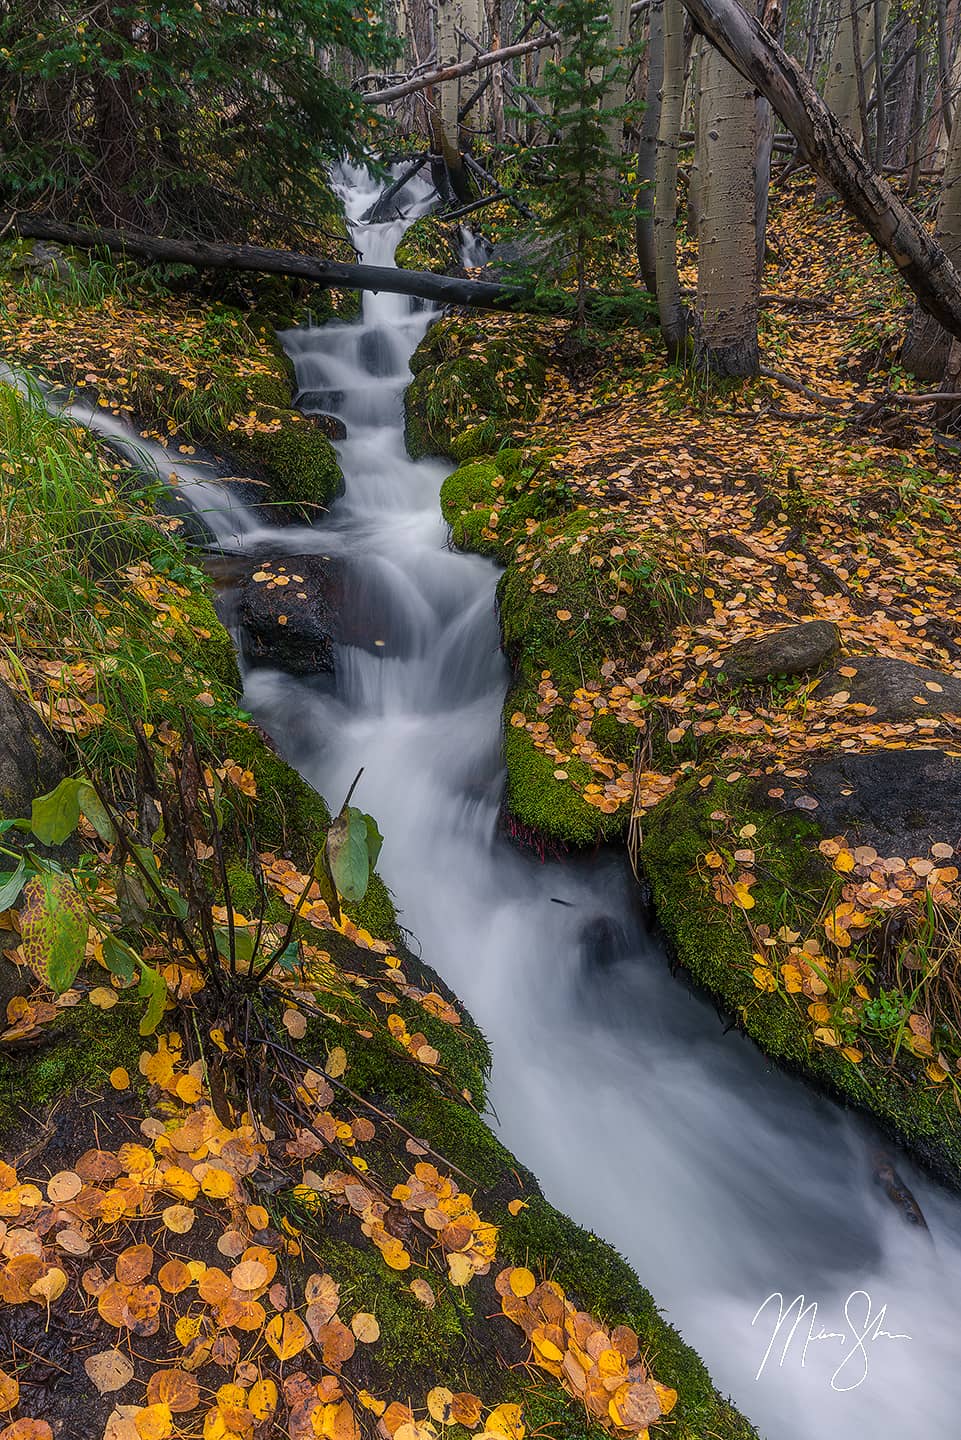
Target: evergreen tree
point(190, 113)
point(579, 192)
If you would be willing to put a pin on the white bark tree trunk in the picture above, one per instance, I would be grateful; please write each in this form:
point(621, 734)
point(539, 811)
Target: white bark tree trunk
point(671, 310)
point(647, 148)
point(727, 281)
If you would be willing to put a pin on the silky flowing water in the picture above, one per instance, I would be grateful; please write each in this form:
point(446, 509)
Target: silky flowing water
point(723, 1181)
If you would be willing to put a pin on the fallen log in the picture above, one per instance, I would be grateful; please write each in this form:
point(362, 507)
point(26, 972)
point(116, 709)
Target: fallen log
point(444, 289)
point(833, 154)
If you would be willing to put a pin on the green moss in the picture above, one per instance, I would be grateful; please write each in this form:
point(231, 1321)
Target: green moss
point(429, 244)
point(551, 808)
point(79, 1048)
point(716, 948)
point(468, 379)
point(213, 652)
point(291, 816)
point(295, 456)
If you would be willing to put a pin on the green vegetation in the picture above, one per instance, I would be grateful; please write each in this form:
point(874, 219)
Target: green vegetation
point(219, 120)
point(714, 945)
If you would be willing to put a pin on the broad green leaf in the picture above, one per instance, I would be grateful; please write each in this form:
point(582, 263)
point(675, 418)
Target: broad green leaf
point(96, 813)
point(11, 883)
point(347, 853)
point(153, 988)
point(243, 943)
point(176, 903)
point(53, 930)
point(325, 883)
point(374, 840)
point(289, 959)
point(121, 960)
point(53, 817)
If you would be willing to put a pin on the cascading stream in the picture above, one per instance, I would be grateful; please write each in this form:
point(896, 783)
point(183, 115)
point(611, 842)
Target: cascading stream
point(721, 1180)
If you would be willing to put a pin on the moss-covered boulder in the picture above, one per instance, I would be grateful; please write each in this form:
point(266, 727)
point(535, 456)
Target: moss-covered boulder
point(745, 885)
point(473, 385)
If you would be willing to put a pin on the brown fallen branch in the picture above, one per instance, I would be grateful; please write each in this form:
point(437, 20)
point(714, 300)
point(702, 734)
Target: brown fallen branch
point(444, 289)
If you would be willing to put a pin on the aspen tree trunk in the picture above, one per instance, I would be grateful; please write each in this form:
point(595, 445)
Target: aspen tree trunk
point(619, 19)
point(841, 85)
point(927, 343)
point(449, 14)
point(847, 72)
point(647, 149)
point(670, 307)
point(698, 51)
point(900, 129)
point(773, 16)
point(727, 284)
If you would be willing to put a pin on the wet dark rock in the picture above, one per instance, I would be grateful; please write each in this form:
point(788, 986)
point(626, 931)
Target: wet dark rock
point(330, 425)
point(895, 689)
point(31, 760)
point(376, 351)
point(795, 650)
point(319, 401)
point(899, 801)
point(286, 616)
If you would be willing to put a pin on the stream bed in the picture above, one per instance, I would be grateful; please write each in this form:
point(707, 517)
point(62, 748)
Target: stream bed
point(723, 1181)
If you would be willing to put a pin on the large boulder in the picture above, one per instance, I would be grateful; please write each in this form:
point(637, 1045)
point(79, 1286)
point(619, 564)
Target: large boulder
point(285, 614)
point(795, 650)
point(895, 690)
point(899, 801)
point(31, 760)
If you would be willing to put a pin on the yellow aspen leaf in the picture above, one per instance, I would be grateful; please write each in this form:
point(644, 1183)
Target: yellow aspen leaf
point(459, 1268)
point(507, 1421)
point(522, 1281)
point(935, 1073)
point(64, 1186)
point(179, 1218)
point(119, 1078)
point(844, 861)
point(826, 1036)
point(287, 1335)
point(365, 1327)
point(666, 1397)
point(154, 1422)
point(514, 1207)
point(9, 1391)
point(336, 1062)
point(793, 979)
point(852, 1053)
point(262, 1399)
point(217, 1184)
point(764, 979)
point(439, 1403)
point(371, 1403)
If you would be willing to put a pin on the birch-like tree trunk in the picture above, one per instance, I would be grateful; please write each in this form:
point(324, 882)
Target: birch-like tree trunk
point(670, 307)
point(727, 281)
point(647, 148)
point(619, 13)
point(698, 50)
point(927, 343)
point(448, 16)
point(773, 16)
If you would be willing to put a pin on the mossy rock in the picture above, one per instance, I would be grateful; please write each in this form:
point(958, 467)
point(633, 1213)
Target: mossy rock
point(213, 652)
point(716, 948)
point(428, 245)
point(294, 456)
point(468, 380)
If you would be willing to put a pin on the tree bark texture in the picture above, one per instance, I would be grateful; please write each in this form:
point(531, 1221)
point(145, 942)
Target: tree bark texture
point(727, 281)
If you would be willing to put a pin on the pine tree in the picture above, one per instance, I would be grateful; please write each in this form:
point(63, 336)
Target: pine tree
point(579, 191)
point(187, 114)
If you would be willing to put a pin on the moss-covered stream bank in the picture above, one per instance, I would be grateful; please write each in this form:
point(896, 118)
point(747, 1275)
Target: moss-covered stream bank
point(721, 1181)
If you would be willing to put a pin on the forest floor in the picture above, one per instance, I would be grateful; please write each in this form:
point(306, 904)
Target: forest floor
point(794, 799)
point(364, 1259)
